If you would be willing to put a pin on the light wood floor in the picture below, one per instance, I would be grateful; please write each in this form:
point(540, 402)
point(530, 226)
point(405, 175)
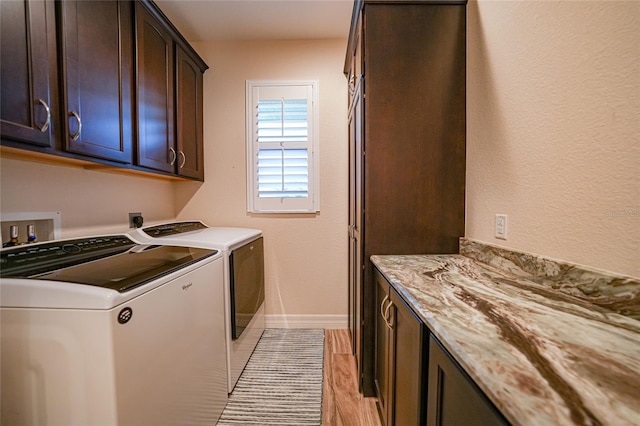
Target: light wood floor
point(342, 404)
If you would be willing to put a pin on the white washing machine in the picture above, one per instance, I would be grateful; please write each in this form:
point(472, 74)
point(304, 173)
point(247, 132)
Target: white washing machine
point(243, 252)
point(103, 330)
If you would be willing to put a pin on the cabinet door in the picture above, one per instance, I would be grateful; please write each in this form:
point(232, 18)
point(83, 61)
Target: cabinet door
point(401, 359)
point(27, 72)
point(355, 222)
point(409, 366)
point(383, 361)
point(97, 76)
point(358, 233)
point(189, 116)
point(453, 398)
point(155, 84)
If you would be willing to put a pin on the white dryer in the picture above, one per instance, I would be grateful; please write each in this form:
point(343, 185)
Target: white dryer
point(243, 252)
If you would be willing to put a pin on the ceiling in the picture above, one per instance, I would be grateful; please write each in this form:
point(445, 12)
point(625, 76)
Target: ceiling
point(203, 20)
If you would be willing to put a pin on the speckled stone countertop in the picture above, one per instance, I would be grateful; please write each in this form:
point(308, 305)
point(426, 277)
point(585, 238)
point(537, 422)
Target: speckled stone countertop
point(549, 343)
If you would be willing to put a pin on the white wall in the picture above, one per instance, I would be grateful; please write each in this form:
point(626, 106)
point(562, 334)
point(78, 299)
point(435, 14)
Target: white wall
point(305, 255)
point(553, 104)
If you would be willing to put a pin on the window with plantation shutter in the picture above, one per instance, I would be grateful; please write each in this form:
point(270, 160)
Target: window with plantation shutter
point(282, 169)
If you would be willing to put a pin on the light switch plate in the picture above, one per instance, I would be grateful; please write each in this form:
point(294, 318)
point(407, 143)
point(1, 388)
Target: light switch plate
point(501, 226)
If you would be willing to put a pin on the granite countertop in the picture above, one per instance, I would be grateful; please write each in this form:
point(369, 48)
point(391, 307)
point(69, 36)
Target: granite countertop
point(544, 350)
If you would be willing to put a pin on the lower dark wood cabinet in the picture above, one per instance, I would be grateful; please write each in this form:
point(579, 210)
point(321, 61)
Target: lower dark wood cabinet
point(453, 398)
point(416, 381)
point(401, 359)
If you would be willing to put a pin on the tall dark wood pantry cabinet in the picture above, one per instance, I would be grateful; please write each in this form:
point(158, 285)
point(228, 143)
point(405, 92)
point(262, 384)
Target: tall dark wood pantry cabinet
point(405, 64)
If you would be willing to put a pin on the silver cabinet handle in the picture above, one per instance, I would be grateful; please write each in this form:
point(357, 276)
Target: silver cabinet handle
point(184, 159)
point(76, 135)
point(386, 297)
point(174, 156)
point(386, 316)
point(45, 126)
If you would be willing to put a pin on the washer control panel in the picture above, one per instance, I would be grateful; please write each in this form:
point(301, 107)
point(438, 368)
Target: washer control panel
point(29, 260)
point(169, 229)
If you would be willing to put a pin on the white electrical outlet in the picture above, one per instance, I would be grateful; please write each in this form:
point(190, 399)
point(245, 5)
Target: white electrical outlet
point(501, 226)
point(135, 220)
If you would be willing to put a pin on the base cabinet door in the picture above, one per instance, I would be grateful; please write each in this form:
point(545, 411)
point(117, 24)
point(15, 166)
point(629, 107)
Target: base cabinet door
point(409, 353)
point(383, 352)
point(453, 398)
point(401, 355)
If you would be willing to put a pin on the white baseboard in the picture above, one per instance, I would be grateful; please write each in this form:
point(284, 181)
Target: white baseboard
point(328, 322)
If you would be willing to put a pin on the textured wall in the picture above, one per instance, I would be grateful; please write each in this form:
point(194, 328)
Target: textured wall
point(553, 128)
point(305, 255)
point(90, 202)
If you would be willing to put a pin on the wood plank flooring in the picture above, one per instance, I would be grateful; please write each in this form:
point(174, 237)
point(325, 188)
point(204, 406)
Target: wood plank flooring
point(342, 404)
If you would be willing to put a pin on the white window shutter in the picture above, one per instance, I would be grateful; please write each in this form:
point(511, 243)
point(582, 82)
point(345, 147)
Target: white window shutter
point(282, 147)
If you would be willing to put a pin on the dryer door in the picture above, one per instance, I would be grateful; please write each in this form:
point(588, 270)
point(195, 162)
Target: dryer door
point(246, 265)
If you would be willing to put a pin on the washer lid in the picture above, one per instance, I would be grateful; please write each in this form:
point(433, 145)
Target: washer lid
point(112, 262)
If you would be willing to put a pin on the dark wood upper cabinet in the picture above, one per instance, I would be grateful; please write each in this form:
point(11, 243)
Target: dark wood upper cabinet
point(155, 84)
point(169, 79)
point(108, 82)
point(28, 102)
point(97, 76)
point(189, 116)
point(410, 141)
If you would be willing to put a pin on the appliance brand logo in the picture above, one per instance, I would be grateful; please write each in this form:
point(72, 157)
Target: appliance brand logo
point(186, 286)
point(125, 315)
